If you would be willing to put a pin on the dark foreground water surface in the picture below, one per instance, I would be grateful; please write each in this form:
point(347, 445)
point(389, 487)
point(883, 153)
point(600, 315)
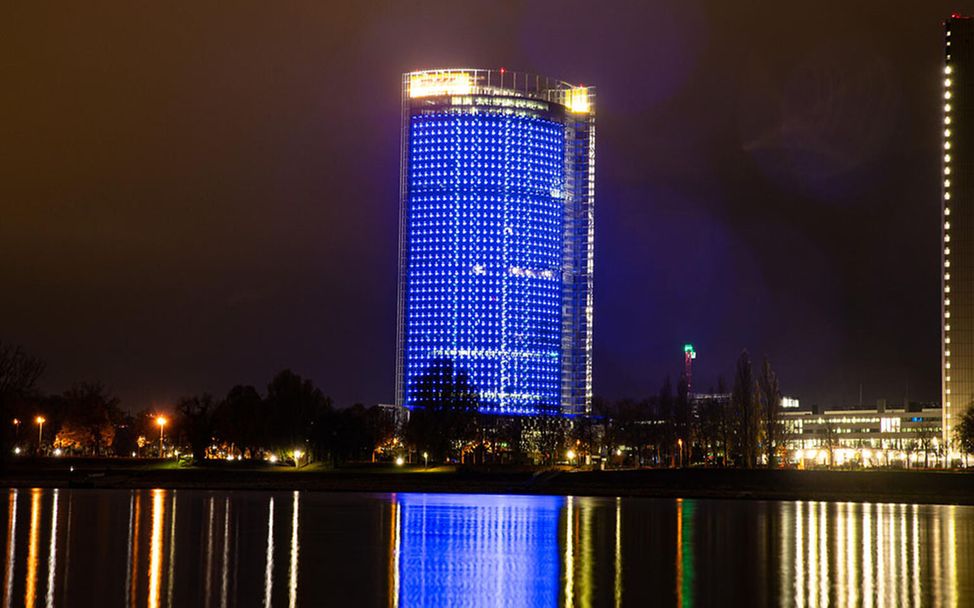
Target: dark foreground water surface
point(197, 548)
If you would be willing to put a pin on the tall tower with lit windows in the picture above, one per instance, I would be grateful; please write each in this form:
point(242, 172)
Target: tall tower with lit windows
point(496, 241)
point(957, 202)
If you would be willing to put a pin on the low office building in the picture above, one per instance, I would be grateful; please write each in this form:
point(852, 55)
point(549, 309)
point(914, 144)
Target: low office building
point(879, 436)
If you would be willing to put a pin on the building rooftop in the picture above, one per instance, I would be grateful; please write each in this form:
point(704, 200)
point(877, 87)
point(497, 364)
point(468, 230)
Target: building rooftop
point(578, 99)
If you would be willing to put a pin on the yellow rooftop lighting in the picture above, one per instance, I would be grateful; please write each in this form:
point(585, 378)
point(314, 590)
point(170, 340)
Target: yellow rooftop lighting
point(577, 100)
point(431, 84)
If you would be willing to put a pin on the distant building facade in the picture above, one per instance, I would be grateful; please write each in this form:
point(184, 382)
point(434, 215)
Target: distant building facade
point(496, 241)
point(957, 226)
point(867, 437)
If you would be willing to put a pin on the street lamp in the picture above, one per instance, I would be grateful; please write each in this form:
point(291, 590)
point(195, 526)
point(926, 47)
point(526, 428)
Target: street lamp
point(161, 421)
point(40, 420)
point(426, 460)
point(679, 442)
point(297, 458)
point(570, 455)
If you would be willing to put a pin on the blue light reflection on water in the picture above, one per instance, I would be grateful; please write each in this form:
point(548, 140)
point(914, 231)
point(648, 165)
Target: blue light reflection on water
point(478, 550)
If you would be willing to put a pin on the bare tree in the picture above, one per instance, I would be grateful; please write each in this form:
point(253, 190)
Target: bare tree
point(196, 419)
point(746, 408)
point(19, 372)
point(925, 437)
point(91, 413)
point(830, 440)
point(771, 409)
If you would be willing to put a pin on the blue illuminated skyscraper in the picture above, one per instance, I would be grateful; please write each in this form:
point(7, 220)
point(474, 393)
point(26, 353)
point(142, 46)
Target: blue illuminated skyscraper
point(496, 231)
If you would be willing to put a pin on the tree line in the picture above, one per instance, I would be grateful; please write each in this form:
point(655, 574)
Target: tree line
point(739, 427)
point(672, 428)
point(88, 420)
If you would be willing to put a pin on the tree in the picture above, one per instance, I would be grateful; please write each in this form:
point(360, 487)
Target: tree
point(196, 419)
point(241, 420)
point(126, 437)
point(551, 433)
point(830, 440)
point(746, 410)
point(924, 439)
point(713, 427)
point(964, 431)
point(666, 436)
point(19, 372)
point(294, 409)
point(89, 418)
point(771, 408)
point(683, 419)
point(446, 405)
point(583, 437)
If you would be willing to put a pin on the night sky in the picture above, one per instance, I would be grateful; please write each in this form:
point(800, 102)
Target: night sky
point(193, 197)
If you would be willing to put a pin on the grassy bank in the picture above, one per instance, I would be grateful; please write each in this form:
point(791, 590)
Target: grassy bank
point(873, 485)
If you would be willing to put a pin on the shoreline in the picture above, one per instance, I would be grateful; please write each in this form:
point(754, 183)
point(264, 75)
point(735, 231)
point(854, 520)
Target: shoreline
point(923, 487)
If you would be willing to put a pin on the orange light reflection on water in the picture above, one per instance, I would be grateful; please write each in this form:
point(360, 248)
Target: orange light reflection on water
point(30, 592)
point(156, 542)
point(8, 570)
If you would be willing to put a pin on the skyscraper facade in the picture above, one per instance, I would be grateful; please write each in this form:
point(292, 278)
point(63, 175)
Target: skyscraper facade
point(957, 208)
point(496, 241)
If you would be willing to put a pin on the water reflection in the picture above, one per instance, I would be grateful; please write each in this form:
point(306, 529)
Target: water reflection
point(30, 593)
point(470, 550)
point(684, 552)
point(908, 554)
point(52, 552)
point(155, 545)
point(293, 569)
point(224, 578)
point(8, 568)
point(153, 548)
point(269, 568)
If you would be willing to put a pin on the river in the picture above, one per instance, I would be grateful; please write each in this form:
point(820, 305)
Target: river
point(197, 548)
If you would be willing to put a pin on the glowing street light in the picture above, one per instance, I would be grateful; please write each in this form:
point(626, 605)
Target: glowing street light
point(679, 442)
point(297, 458)
point(400, 461)
point(426, 459)
point(570, 454)
point(161, 421)
point(40, 420)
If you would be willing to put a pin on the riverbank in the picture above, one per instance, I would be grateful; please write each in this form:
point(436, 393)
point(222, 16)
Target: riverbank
point(933, 487)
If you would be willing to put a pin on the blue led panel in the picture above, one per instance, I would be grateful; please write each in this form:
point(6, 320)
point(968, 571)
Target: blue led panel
point(484, 242)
